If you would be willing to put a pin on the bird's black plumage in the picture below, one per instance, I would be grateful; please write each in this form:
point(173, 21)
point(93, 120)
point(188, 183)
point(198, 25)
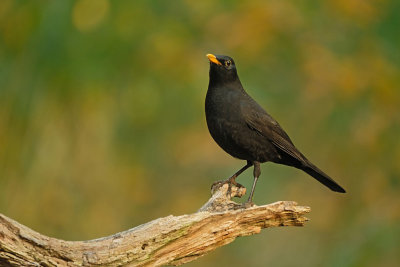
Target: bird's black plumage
point(242, 128)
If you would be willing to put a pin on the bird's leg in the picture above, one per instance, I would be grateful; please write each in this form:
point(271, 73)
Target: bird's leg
point(232, 180)
point(256, 173)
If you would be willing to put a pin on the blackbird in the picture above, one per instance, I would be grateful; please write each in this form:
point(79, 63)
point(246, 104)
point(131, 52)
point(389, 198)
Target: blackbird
point(243, 129)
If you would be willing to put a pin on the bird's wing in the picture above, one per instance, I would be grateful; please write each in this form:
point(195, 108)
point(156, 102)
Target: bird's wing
point(260, 121)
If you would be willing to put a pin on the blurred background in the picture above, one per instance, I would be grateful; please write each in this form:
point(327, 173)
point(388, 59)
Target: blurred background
point(102, 123)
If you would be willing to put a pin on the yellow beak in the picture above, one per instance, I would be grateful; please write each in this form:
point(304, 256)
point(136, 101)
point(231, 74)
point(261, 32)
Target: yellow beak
point(213, 59)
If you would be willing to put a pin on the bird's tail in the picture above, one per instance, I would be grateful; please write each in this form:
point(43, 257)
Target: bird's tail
point(322, 177)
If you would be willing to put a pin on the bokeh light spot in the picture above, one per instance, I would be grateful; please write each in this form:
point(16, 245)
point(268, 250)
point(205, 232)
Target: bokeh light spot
point(88, 14)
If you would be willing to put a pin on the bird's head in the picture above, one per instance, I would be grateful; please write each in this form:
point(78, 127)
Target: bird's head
point(222, 68)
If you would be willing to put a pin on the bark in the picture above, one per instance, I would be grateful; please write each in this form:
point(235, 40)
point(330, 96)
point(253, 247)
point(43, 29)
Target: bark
point(172, 240)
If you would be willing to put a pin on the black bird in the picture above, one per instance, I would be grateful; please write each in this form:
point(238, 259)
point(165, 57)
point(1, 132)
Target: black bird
point(242, 128)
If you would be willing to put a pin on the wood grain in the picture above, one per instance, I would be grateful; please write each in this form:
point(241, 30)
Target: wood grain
point(172, 240)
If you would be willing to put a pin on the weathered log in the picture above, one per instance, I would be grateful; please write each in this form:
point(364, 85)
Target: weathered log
point(171, 240)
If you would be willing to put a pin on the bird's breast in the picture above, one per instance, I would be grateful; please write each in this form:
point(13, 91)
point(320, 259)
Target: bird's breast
point(229, 129)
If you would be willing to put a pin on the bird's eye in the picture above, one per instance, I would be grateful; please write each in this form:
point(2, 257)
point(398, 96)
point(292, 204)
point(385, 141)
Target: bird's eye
point(228, 63)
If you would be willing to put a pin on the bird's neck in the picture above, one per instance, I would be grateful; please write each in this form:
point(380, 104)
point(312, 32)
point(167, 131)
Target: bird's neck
point(217, 80)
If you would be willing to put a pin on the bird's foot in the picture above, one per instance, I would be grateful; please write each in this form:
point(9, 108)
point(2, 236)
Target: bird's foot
point(248, 204)
point(230, 181)
point(234, 188)
point(222, 193)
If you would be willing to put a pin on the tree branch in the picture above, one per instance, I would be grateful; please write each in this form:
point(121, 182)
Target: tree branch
point(171, 240)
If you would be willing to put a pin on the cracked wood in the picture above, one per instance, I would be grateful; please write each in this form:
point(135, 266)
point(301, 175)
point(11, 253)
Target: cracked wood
point(171, 240)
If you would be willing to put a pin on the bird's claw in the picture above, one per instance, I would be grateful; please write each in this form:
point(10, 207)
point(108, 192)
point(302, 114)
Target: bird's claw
point(230, 182)
point(248, 204)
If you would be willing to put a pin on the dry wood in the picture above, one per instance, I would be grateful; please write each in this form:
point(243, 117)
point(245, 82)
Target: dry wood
point(171, 240)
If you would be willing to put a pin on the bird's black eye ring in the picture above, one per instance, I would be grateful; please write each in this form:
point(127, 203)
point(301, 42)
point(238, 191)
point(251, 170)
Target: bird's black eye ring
point(227, 63)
